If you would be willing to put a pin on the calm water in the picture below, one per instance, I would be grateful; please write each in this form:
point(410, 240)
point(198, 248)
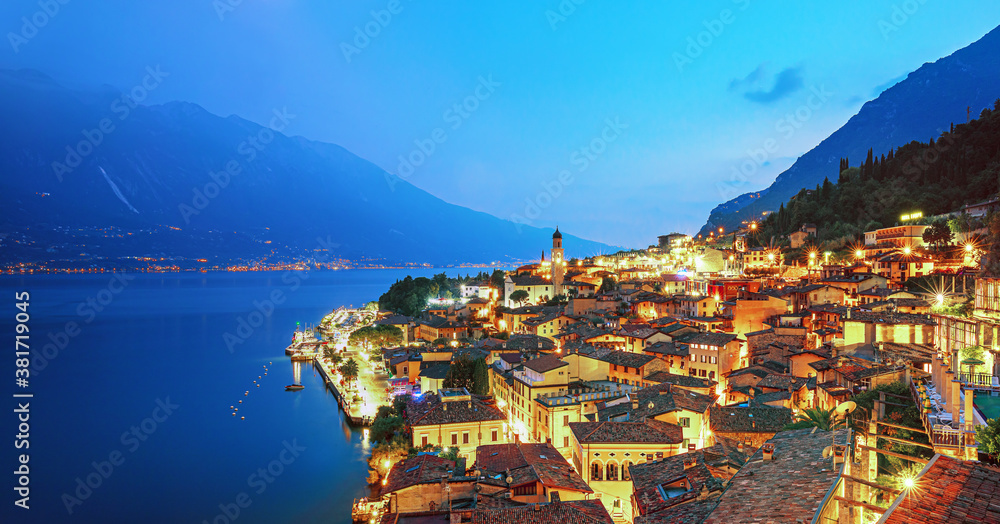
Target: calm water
point(160, 341)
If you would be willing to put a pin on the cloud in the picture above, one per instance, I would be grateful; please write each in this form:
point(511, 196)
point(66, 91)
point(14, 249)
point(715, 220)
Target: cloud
point(752, 80)
point(785, 83)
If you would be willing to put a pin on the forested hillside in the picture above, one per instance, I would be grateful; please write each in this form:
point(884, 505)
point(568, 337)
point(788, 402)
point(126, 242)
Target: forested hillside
point(960, 167)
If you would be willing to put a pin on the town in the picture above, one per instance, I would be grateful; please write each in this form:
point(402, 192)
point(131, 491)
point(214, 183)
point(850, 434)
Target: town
point(720, 379)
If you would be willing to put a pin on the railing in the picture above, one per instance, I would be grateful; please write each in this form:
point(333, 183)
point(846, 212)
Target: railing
point(946, 437)
point(979, 379)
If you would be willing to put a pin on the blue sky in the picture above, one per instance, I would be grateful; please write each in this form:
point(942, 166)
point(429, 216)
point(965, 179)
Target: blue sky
point(616, 121)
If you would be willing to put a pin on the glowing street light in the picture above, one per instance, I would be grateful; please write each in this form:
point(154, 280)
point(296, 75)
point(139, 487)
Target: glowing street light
point(940, 298)
point(907, 250)
point(859, 254)
point(908, 482)
point(969, 248)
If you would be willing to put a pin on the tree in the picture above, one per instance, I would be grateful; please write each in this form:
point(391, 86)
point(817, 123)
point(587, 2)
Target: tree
point(386, 424)
point(825, 420)
point(608, 285)
point(380, 335)
point(480, 377)
point(988, 437)
point(460, 374)
point(938, 234)
point(349, 370)
point(329, 352)
point(520, 296)
point(387, 452)
point(450, 454)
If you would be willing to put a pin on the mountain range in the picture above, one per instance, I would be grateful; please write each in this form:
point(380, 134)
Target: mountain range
point(91, 159)
point(919, 107)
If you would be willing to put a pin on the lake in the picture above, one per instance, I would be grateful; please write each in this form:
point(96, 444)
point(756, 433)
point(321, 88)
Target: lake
point(131, 420)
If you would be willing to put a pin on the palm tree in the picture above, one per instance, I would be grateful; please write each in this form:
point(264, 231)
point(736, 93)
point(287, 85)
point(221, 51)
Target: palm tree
point(329, 352)
point(350, 370)
point(820, 418)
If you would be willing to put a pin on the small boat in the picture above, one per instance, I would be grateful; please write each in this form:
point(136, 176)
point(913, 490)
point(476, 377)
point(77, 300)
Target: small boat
point(294, 387)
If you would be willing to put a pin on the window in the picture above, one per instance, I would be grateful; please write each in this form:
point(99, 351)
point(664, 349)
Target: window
point(694, 358)
point(454, 439)
point(612, 471)
point(714, 360)
point(704, 359)
point(565, 442)
point(701, 373)
point(595, 471)
point(465, 437)
point(565, 420)
point(625, 472)
point(684, 422)
point(494, 435)
point(423, 440)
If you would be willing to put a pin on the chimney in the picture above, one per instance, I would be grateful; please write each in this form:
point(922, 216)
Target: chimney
point(690, 462)
point(768, 449)
point(635, 403)
point(554, 497)
point(739, 447)
point(444, 406)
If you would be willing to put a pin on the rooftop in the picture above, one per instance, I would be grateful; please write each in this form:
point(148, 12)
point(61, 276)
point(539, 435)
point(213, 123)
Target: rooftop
point(647, 432)
point(577, 511)
point(949, 491)
point(788, 488)
point(427, 409)
point(528, 463)
point(545, 363)
point(748, 420)
point(417, 470)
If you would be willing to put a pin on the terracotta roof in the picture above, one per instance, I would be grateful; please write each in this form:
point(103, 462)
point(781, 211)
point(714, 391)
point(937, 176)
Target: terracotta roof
point(530, 281)
point(789, 488)
point(528, 463)
point(545, 363)
point(577, 511)
point(712, 339)
point(748, 420)
point(628, 359)
point(950, 491)
point(417, 470)
point(691, 512)
point(429, 410)
point(681, 381)
point(668, 348)
point(649, 432)
point(647, 479)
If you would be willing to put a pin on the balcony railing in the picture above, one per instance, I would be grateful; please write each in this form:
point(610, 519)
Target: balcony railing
point(979, 379)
